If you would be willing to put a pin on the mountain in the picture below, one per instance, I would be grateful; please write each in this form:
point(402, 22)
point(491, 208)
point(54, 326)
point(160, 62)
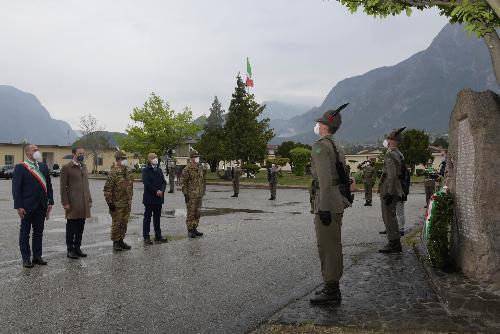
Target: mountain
point(282, 111)
point(25, 118)
point(419, 92)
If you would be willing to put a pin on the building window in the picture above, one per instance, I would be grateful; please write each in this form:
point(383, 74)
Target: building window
point(9, 159)
point(99, 161)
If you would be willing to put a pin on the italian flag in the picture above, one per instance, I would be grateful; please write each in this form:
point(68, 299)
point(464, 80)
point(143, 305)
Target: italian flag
point(249, 81)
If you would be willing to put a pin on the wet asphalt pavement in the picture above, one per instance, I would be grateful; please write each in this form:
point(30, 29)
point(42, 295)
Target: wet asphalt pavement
point(256, 256)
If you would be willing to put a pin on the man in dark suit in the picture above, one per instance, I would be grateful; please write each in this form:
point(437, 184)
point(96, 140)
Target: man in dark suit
point(154, 190)
point(33, 200)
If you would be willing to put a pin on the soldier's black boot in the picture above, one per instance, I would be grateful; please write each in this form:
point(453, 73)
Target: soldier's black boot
point(367, 203)
point(330, 294)
point(79, 252)
point(124, 245)
point(117, 246)
point(235, 195)
point(191, 234)
point(394, 246)
point(197, 233)
point(71, 254)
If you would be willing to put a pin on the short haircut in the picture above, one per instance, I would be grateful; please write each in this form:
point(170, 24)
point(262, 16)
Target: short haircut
point(27, 147)
point(75, 148)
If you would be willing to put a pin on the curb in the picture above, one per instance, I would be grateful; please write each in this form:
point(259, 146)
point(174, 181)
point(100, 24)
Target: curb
point(461, 295)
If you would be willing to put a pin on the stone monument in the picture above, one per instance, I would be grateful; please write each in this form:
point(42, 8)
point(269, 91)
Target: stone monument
point(474, 178)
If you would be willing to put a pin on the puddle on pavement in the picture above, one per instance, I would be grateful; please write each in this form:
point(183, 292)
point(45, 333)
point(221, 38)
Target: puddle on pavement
point(296, 213)
point(288, 203)
point(207, 212)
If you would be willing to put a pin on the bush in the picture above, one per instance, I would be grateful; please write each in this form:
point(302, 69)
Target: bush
point(358, 177)
point(251, 168)
point(301, 157)
point(277, 161)
point(438, 228)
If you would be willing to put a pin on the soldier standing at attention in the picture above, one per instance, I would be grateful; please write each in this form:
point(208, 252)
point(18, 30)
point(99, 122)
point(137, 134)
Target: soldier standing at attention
point(236, 174)
point(430, 182)
point(192, 188)
point(368, 170)
point(171, 175)
point(118, 191)
point(391, 191)
point(272, 177)
point(329, 205)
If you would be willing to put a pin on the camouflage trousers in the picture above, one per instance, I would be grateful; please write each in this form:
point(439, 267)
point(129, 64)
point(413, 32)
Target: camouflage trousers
point(236, 186)
point(119, 223)
point(193, 208)
point(368, 190)
point(272, 188)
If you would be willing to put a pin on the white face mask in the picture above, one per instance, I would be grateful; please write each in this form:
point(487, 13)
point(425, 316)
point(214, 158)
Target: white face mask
point(125, 163)
point(38, 156)
point(197, 159)
point(316, 129)
point(385, 143)
point(154, 162)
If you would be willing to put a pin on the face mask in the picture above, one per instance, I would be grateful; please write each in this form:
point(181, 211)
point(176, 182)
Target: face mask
point(154, 162)
point(316, 129)
point(197, 160)
point(125, 163)
point(385, 143)
point(80, 158)
point(38, 156)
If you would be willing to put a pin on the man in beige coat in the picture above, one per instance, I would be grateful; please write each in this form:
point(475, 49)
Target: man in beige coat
point(329, 205)
point(76, 200)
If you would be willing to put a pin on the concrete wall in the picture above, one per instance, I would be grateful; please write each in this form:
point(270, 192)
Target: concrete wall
point(474, 179)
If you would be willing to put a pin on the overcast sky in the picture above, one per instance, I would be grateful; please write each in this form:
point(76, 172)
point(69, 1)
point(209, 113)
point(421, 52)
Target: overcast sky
point(104, 57)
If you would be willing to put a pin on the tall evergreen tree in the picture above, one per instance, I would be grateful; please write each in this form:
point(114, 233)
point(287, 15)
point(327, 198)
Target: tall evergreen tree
point(211, 143)
point(246, 137)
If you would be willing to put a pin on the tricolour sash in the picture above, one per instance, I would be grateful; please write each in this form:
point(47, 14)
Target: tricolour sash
point(36, 174)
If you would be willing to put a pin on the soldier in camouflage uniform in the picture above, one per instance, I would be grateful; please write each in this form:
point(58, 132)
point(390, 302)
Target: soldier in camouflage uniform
point(171, 175)
point(391, 191)
point(236, 174)
point(118, 192)
point(193, 190)
point(272, 177)
point(368, 170)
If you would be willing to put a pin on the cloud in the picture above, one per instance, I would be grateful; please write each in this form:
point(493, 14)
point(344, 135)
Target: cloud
point(105, 57)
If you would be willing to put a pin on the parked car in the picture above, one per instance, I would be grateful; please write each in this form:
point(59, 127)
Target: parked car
point(6, 172)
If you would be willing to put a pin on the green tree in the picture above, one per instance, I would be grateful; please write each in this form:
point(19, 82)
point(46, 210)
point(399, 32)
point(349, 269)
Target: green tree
point(285, 148)
point(246, 137)
point(301, 157)
point(157, 127)
point(211, 143)
point(479, 16)
point(440, 142)
point(415, 147)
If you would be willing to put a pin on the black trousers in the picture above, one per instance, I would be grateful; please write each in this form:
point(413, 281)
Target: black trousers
point(74, 233)
point(155, 210)
point(35, 218)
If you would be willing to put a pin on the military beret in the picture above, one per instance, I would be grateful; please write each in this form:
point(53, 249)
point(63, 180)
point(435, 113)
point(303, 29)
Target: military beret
point(332, 118)
point(395, 134)
point(193, 154)
point(120, 155)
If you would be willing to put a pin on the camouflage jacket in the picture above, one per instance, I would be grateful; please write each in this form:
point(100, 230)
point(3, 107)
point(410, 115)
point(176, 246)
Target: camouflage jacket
point(368, 173)
point(118, 189)
point(236, 173)
point(192, 180)
point(273, 175)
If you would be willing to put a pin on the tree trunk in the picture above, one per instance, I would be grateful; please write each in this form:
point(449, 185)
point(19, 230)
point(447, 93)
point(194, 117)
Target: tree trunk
point(495, 5)
point(493, 44)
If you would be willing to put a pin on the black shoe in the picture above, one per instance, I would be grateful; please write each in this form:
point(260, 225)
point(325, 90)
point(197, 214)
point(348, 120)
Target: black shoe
point(79, 252)
point(38, 260)
point(28, 264)
point(124, 245)
point(197, 233)
point(328, 295)
point(394, 246)
point(171, 192)
point(148, 241)
point(402, 232)
point(369, 203)
point(366, 204)
point(72, 254)
point(191, 234)
point(382, 232)
point(117, 246)
point(161, 240)
point(234, 195)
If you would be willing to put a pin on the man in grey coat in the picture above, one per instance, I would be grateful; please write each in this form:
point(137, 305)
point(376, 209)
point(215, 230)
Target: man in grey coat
point(76, 201)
